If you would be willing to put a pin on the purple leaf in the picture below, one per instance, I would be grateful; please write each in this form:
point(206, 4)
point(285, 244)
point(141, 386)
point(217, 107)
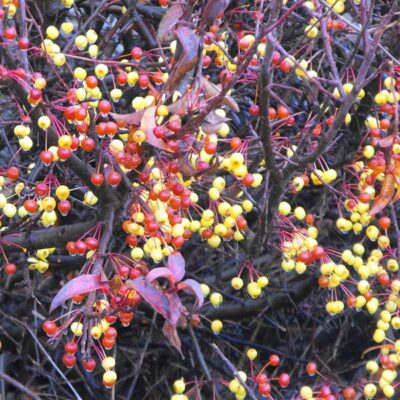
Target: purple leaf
point(77, 286)
point(159, 273)
point(168, 21)
point(175, 307)
point(176, 264)
point(192, 286)
point(171, 334)
point(153, 296)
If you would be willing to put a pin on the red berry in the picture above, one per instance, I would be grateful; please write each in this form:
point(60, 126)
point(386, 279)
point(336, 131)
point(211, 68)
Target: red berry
point(97, 179)
point(88, 144)
point(254, 110)
point(10, 33)
point(284, 380)
point(69, 360)
point(384, 222)
point(13, 173)
point(71, 347)
point(70, 246)
point(311, 368)
point(283, 112)
point(64, 206)
point(114, 178)
point(23, 43)
point(136, 53)
point(92, 243)
point(349, 393)
point(261, 378)
point(274, 360)
point(104, 106)
point(111, 332)
point(49, 327)
point(10, 269)
point(80, 247)
point(47, 157)
point(91, 81)
point(264, 389)
point(31, 206)
point(89, 364)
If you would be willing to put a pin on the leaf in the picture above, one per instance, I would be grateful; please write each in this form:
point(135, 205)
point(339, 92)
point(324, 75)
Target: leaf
point(152, 295)
point(168, 22)
point(212, 90)
point(77, 286)
point(385, 195)
point(115, 284)
point(213, 10)
point(132, 119)
point(159, 273)
point(387, 141)
point(189, 56)
point(212, 123)
point(190, 285)
point(147, 125)
point(175, 307)
point(171, 333)
point(176, 264)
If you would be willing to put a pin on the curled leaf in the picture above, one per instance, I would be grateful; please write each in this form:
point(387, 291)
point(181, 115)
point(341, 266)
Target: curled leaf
point(189, 56)
point(385, 195)
point(176, 264)
point(214, 9)
point(212, 90)
point(148, 123)
point(190, 285)
point(159, 273)
point(130, 120)
point(212, 123)
point(77, 286)
point(175, 307)
point(171, 333)
point(152, 295)
point(168, 22)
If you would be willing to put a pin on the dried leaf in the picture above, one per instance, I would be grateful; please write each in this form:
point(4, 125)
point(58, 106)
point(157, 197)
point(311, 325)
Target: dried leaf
point(190, 285)
point(115, 284)
point(212, 123)
point(153, 296)
point(77, 286)
point(176, 265)
point(171, 333)
point(189, 57)
point(214, 9)
point(385, 195)
point(147, 125)
point(168, 21)
point(130, 120)
point(212, 90)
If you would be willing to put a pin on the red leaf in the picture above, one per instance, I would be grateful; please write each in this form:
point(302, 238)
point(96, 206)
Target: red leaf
point(147, 125)
point(153, 296)
point(168, 21)
point(190, 55)
point(176, 264)
point(171, 334)
point(175, 307)
point(77, 286)
point(213, 10)
point(159, 273)
point(192, 286)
